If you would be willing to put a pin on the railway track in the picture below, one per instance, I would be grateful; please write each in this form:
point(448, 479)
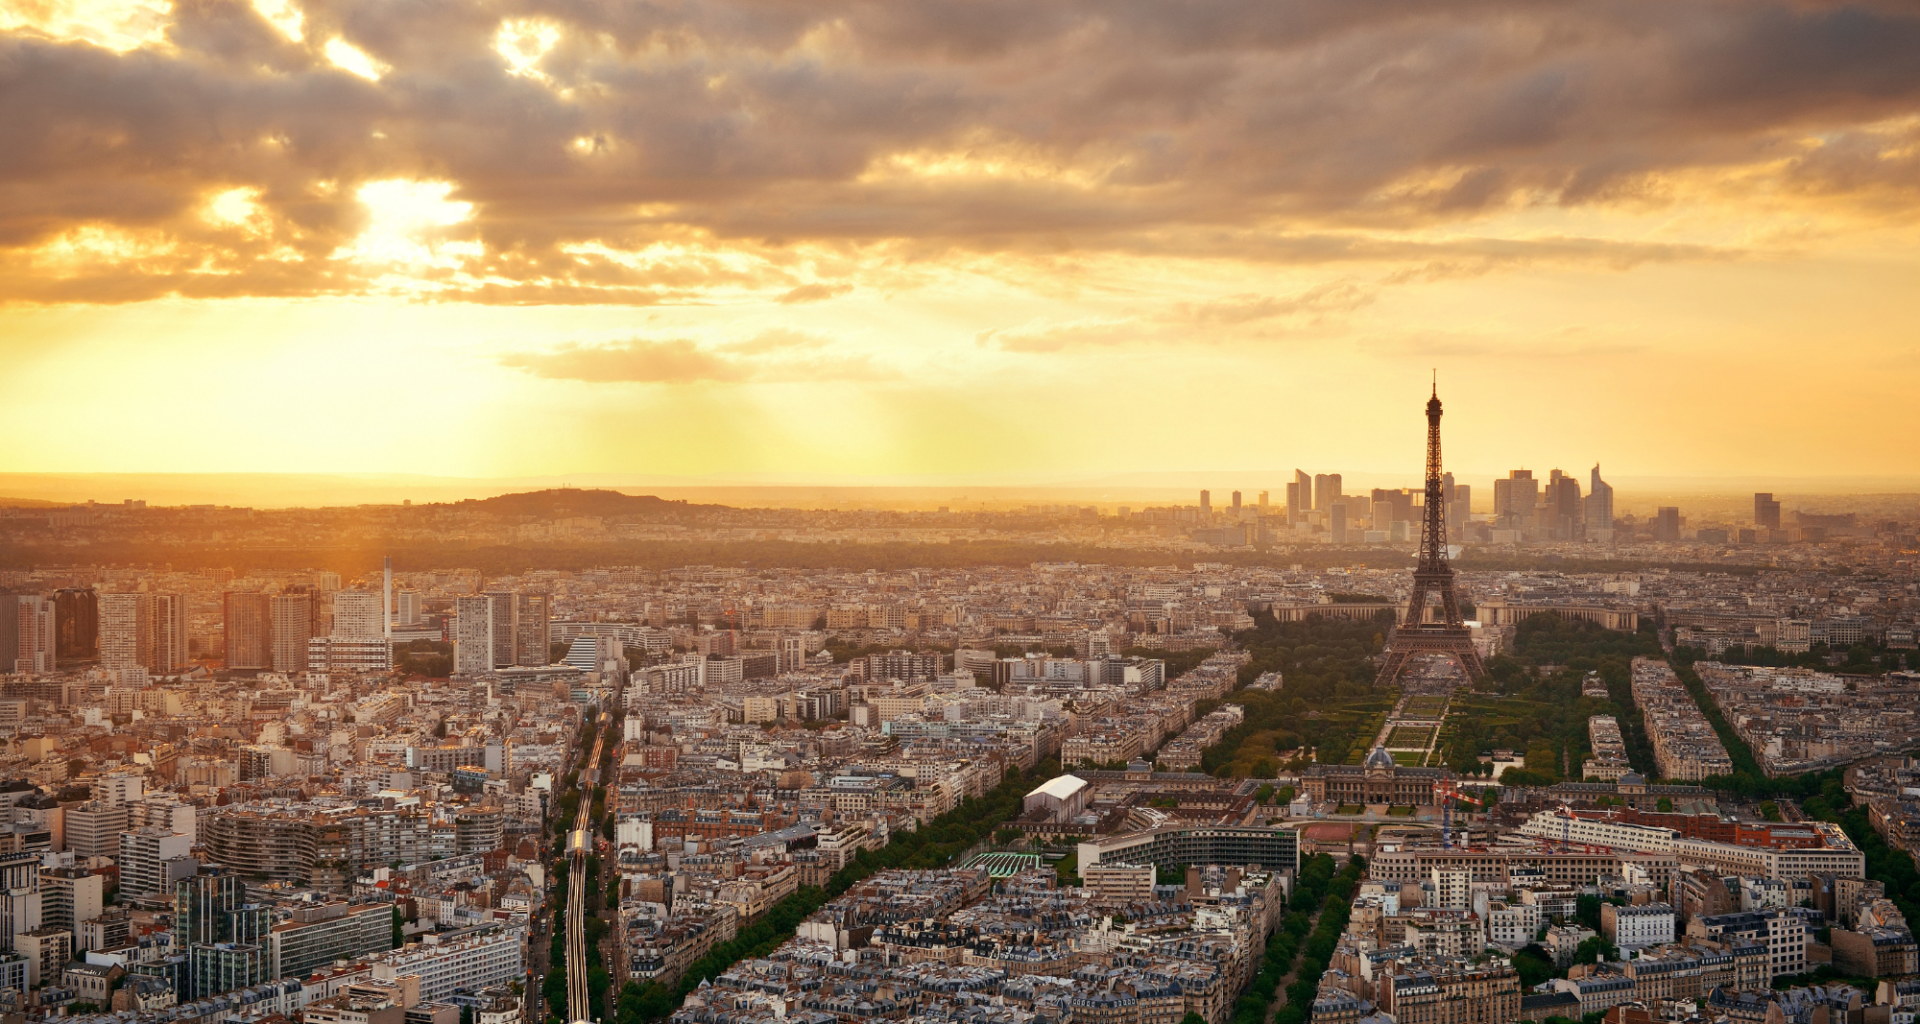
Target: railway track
point(579, 845)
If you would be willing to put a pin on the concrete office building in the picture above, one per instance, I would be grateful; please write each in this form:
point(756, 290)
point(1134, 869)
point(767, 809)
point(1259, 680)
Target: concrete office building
point(1299, 497)
point(1514, 499)
point(1326, 491)
point(356, 613)
point(76, 616)
point(1837, 857)
point(1785, 933)
point(349, 654)
point(473, 642)
point(1276, 849)
point(319, 934)
point(70, 897)
point(28, 633)
point(1666, 524)
point(20, 902)
point(1121, 881)
point(168, 651)
point(533, 614)
point(1562, 514)
point(93, 828)
point(47, 951)
point(1599, 508)
point(468, 960)
point(292, 628)
point(1459, 510)
point(501, 609)
point(126, 630)
point(167, 811)
point(249, 630)
point(148, 856)
point(407, 607)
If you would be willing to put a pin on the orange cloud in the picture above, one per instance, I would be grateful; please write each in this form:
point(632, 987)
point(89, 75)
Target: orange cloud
point(583, 147)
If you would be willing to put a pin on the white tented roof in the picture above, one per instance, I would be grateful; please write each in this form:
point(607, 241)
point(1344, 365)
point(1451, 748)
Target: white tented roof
point(1061, 788)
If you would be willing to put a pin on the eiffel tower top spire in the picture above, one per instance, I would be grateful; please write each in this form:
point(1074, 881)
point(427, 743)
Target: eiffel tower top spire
point(1433, 527)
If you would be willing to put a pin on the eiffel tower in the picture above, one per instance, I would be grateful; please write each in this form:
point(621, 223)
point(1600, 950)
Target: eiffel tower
point(1432, 578)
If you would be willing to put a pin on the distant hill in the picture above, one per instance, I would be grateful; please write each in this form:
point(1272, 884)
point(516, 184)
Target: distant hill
point(33, 503)
point(564, 502)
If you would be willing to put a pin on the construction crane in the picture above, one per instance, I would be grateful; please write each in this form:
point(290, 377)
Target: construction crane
point(1448, 792)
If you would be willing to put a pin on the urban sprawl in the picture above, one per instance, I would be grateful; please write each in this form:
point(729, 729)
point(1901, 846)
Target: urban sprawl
point(1671, 782)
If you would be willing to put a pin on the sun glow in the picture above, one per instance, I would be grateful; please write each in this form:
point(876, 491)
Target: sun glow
point(96, 246)
point(353, 60)
point(283, 15)
point(117, 25)
point(523, 42)
point(406, 218)
point(237, 207)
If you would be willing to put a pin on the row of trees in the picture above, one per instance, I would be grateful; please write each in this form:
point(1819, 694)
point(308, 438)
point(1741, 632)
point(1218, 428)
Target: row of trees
point(936, 844)
point(1331, 896)
point(1749, 780)
point(1860, 659)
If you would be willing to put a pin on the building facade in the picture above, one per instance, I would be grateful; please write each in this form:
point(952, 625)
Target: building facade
point(1378, 780)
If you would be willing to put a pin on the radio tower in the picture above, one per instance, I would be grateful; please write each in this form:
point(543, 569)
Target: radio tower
point(1433, 577)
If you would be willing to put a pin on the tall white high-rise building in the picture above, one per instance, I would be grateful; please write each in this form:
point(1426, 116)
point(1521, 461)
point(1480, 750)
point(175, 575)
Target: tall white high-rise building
point(357, 613)
point(406, 608)
point(1599, 509)
point(1514, 499)
point(506, 618)
point(19, 893)
point(126, 630)
point(27, 635)
point(1459, 510)
point(531, 613)
point(1326, 491)
point(473, 634)
point(144, 856)
point(292, 628)
point(793, 653)
point(169, 619)
point(1299, 497)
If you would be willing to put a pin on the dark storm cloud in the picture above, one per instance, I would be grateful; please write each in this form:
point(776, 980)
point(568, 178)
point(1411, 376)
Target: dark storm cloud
point(1216, 128)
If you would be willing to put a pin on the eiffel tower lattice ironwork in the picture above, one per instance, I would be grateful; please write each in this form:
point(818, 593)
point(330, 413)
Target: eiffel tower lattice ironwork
point(1432, 578)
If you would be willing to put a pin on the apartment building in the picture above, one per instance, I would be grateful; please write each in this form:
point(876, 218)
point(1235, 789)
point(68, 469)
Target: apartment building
point(1783, 933)
point(468, 960)
point(319, 934)
point(1685, 747)
point(1459, 993)
point(1637, 925)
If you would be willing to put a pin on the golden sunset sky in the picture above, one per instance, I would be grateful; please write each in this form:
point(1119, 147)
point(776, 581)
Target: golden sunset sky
point(963, 237)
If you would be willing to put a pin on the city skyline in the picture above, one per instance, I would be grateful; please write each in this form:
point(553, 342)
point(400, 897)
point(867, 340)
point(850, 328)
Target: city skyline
point(841, 242)
point(852, 512)
point(290, 490)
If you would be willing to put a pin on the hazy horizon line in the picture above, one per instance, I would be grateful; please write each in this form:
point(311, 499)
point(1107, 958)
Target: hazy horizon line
point(318, 490)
